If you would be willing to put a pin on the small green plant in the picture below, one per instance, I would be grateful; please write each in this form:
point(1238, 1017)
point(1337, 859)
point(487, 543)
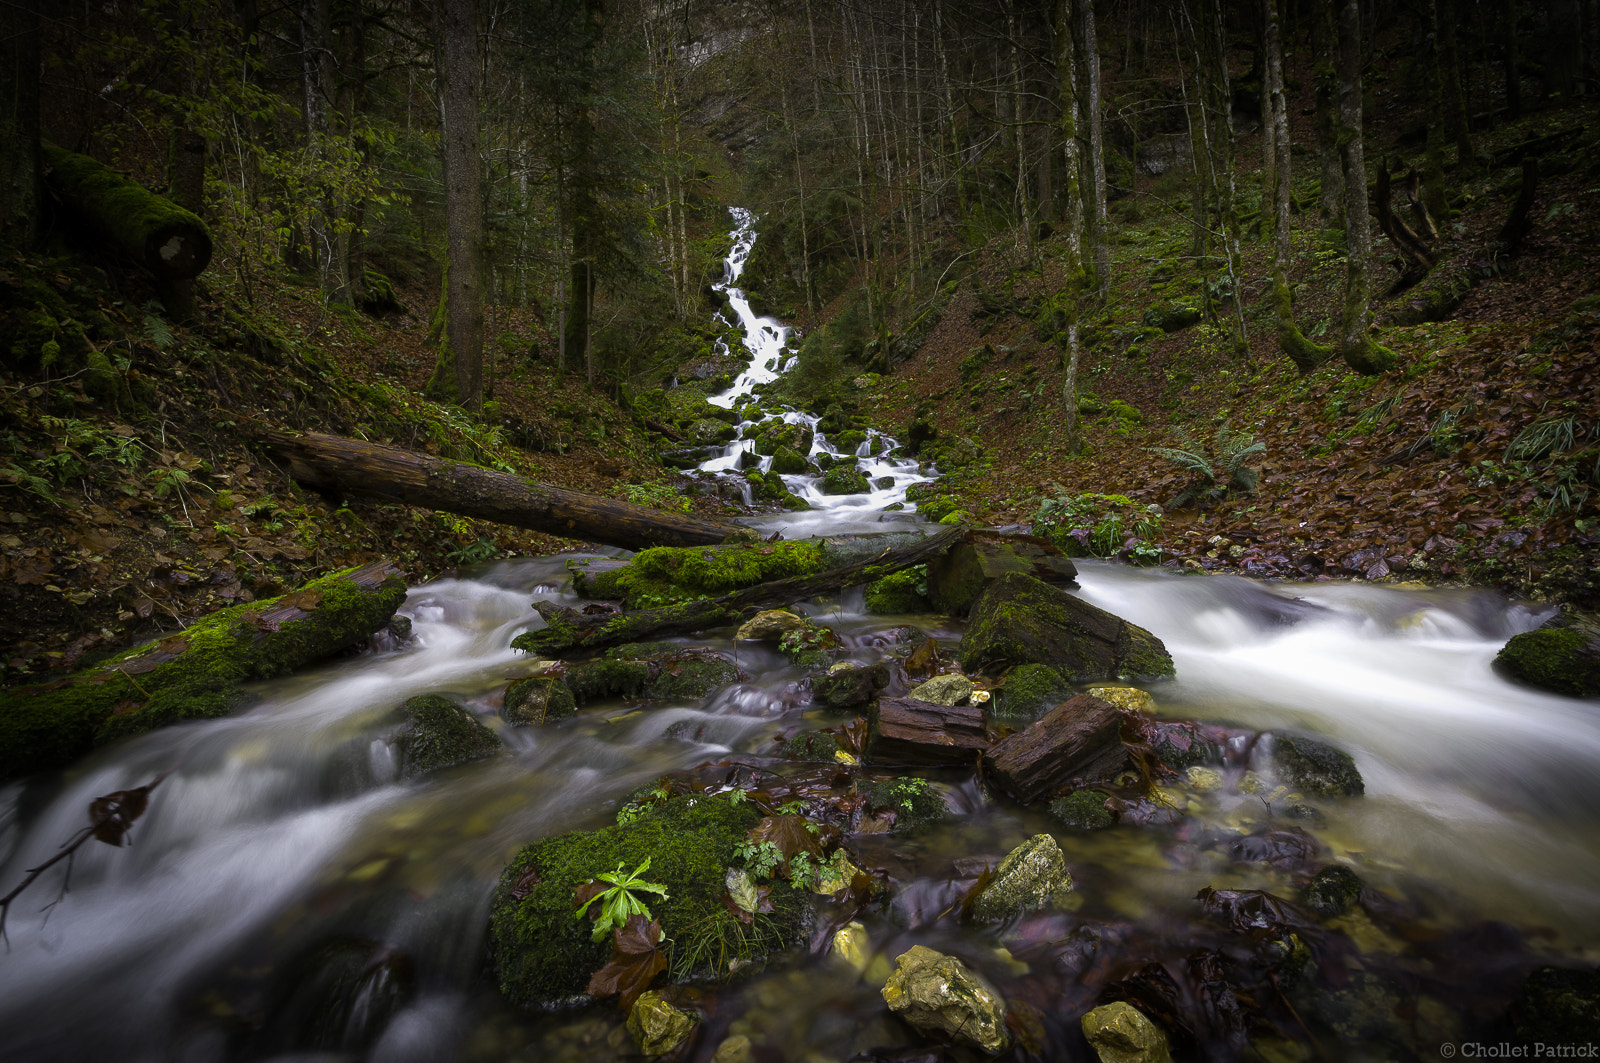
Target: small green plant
point(475, 552)
point(1094, 525)
point(657, 496)
point(761, 859)
point(619, 902)
point(1218, 473)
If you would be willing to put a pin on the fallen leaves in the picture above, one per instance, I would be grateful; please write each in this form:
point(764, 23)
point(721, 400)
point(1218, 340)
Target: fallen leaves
point(636, 959)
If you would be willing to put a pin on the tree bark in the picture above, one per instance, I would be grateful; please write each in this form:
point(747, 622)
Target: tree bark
point(1077, 742)
point(194, 673)
point(464, 199)
point(905, 731)
point(171, 242)
point(19, 122)
point(1360, 351)
point(374, 469)
point(569, 632)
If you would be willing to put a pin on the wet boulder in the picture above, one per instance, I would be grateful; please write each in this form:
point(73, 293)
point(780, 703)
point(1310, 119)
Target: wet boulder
point(942, 998)
point(781, 435)
point(1030, 877)
point(902, 804)
point(537, 700)
point(1315, 767)
point(542, 955)
point(789, 462)
point(1021, 620)
point(848, 685)
point(1083, 810)
point(1077, 742)
point(656, 1026)
point(845, 480)
point(438, 734)
point(1557, 1006)
point(957, 578)
point(1131, 698)
point(707, 431)
point(770, 625)
point(898, 592)
point(1332, 891)
point(1121, 1033)
point(1562, 655)
point(338, 997)
point(951, 689)
point(1030, 689)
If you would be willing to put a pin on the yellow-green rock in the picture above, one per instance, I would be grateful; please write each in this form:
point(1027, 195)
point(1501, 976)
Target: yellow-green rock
point(736, 1049)
point(1120, 1033)
point(851, 944)
point(1028, 878)
point(1131, 698)
point(769, 625)
point(940, 995)
point(658, 1027)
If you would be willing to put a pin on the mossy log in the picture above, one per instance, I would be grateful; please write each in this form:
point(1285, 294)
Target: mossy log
point(172, 243)
point(567, 632)
point(915, 733)
point(375, 469)
point(194, 673)
point(1076, 743)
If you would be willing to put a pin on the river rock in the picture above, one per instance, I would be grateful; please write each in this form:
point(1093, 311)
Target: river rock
point(1078, 741)
point(902, 804)
point(1315, 767)
point(1131, 698)
point(735, 1049)
point(911, 732)
point(896, 593)
point(438, 733)
point(852, 945)
point(848, 685)
point(1030, 689)
point(788, 462)
point(940, 996)
point(769, 625)
point(338, 997)
point(957, 578)
point(845, 480)
point(952, 689)
point(1083, 810)
point(1120, 1033)
point(1557, 1006)
point(1021, 620)
point(537, 700)
point(1332, 891)
point(1028, 878)
point(1562, 655)
point(656, 1026)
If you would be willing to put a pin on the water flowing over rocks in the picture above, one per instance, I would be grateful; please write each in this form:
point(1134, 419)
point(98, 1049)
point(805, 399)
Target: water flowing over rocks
point(1562, 655)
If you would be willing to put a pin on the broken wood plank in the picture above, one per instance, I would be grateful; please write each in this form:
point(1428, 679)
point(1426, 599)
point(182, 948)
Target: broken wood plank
point(1076, 743)
point(915, 733)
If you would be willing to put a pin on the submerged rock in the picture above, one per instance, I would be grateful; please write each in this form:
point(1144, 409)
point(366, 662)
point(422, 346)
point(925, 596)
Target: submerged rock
point(952, 689)
point(940, 996)
point(438, 734)
point(1020, 620)
point(656, 1026)
point(1028, 878)
point(1083, 810)
point(1121, 1033)
point(338, 998)
point(1557, 1006)
point(1315, 767)
point(903, 804)
point(1332, 891)
point(848, 685)
point(1562, 655)
point(537, 700)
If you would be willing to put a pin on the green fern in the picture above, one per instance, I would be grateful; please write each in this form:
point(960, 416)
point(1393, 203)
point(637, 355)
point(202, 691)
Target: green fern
point(1223, 470)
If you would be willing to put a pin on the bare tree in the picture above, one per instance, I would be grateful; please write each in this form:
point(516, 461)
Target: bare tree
point(463, 176)
point(1359, 350)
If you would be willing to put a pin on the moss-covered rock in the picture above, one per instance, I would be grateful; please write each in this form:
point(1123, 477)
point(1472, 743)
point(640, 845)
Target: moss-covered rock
point(1315, 767)
point(898, 592)
point(537, 700)
point(1562, 655)
point(1021, 620)
point(1332, 891)
point(1030, 689)
point(189, 675)
point(1030, 877)
point(1557, 1006)
point(1171, 317)
point(691, 676)
point(774, 436)
point(911, 803)
point(664, 671)
point(1083, 810)
point(543, 956)
point(811, 745)
point(950, 689)
point(849, 685)
point(665, 574)
point(439, 734)
point(789, 462)
point(844, 480)
point(607, 678)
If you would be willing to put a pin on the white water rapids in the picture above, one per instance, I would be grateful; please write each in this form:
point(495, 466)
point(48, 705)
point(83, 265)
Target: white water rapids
point(285, 827)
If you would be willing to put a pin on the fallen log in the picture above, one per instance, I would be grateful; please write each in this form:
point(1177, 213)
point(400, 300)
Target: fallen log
point(911, 733)
point(1076, 743)
point(172, 243)
point(194, 673)
point(358, 467)
point(568, 632)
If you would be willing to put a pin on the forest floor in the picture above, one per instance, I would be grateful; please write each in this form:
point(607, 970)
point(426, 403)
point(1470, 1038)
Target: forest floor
point(1474, 460)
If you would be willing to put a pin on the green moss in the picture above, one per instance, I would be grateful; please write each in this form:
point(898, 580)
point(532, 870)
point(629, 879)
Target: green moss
point(666, 574)
point(788, 462)
point(898, 592)
point(1559, 659)
point(1316, 767)
point(537, 700)
point(1332, 891)
point(439, 734)
point(48, 726)
point(601, 679)
point(1030, 689)
point(543, 956)
point(811, 745)
point(1083, 810)
point(914, 802)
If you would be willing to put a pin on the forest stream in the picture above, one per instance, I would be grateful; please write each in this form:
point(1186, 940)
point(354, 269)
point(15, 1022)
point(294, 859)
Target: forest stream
point(286, 835)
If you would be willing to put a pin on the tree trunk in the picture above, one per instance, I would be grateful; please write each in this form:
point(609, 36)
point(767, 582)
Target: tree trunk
point(1099, 227)
point(1301, 351)
point(19, 123)
point(380, 471)
point(464, 199)
point(171, 242)
point(568, 632)
point(194, 673)
point(1325, 78)
point(1360, 351)
point(1067, 97)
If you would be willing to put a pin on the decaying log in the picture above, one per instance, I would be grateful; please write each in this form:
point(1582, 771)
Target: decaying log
point(566, 634)
point(912, 733)
point(1077, 742)
point(195, 672)
point(378, 470)
point(172, 243)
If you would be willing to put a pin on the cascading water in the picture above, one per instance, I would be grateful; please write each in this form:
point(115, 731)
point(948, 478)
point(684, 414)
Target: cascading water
point(287, 895)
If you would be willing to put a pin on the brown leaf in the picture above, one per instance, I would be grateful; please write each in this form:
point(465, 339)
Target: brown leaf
point(525, 883)
point(306, 601)
point(111, 816)
point(635, 962)
point(793, 834)
point(923, 660)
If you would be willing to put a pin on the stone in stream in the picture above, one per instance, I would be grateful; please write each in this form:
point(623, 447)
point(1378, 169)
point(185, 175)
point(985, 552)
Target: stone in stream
point(959, 577)
point(897, 593)
point(845, 480)
point(1121, 1033)
point(1557, 1006)
point(1561, 655)
point(1020, 620)
point(943, 998)
point(1030, 689)
point(951, 689)
point(1083, 810)
point(1029, 878)
point(1332, 891)
point(438, 734)
point(537, 700)
point(900, 805)
point(338, 997)
point(770, 625)
point(656, 1026)
point(919, 733)
point(847, 685)
point(1077, 742)
point(1314, 767)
